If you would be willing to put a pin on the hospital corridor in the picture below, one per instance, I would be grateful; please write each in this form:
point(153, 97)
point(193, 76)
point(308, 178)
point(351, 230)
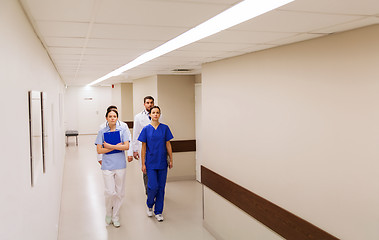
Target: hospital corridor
point(267, 108)
point(83, 210)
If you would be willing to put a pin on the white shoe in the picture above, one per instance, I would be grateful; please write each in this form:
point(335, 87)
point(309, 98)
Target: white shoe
point(108, 220)
point(116, 224)
point(159, 217)
point(149, 212)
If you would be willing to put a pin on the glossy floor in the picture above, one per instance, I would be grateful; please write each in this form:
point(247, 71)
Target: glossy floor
point(82, 210)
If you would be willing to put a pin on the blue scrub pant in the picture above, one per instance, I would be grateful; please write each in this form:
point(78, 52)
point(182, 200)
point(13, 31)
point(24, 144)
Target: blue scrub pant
point(156, 189)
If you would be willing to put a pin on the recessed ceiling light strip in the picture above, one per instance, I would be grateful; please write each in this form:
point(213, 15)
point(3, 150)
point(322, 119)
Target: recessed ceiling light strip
point(237, 14)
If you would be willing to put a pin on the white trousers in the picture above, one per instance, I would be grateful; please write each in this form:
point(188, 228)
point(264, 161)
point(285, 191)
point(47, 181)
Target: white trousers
point(114, 183)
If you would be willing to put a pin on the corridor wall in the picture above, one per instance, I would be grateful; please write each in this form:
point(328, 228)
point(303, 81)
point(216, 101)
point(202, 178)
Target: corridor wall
point(85, 107)
point(177, 100)
point(127, 102)
point(141, 88)
point(175, 94)
point(299, 126)
point(27, 212)
point(116, 95)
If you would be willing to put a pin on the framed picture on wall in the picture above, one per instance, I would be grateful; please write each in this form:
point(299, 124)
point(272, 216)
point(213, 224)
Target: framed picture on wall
point(35, 135)
point(44, 129)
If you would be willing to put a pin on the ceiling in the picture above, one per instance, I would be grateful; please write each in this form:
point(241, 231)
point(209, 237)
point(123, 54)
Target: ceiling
point(86, 39)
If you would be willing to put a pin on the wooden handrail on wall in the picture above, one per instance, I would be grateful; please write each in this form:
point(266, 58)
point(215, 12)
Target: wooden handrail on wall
point(274, 217)
point(183, 145)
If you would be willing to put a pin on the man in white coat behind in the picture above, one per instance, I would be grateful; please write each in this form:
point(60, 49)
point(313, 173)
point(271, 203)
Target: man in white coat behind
point(140, 121)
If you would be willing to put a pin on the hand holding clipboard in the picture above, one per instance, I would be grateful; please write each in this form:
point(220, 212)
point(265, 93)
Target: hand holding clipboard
point(112, 138)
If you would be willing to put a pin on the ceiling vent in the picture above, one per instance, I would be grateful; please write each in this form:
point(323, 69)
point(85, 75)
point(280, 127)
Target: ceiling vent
point(181, 70)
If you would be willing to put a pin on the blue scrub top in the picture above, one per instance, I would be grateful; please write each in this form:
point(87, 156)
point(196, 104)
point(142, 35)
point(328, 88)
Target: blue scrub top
point(116, 160)
point(156, 151)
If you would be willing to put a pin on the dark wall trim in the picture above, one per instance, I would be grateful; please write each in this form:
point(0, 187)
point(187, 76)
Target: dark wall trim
point(274, 217)
point(183, 145)
point(130, 124)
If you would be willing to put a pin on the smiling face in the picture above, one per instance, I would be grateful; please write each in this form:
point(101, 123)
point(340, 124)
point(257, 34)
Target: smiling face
point(112, 118)
point(155, 114)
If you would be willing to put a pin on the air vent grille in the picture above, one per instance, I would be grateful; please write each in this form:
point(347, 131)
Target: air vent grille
point(181, 70)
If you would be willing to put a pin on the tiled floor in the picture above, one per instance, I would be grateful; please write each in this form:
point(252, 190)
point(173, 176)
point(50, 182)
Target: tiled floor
point(82, 210)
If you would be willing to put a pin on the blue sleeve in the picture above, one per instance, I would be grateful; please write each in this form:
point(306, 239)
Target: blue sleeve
point(168, 136)
point(142, 136)
point(99, 139)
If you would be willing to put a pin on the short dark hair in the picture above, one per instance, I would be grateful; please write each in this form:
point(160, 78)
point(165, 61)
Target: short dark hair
point(111, 107)
point(111, 110)
point(151, 109)
point(148, 97)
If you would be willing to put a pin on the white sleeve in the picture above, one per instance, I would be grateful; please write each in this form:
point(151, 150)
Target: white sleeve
point(103, 125)
point(127, 130)
point(100, 156)
point(130, 151)
point(137, 128)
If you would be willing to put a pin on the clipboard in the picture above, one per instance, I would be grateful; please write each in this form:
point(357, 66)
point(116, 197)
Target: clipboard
point(113, 138)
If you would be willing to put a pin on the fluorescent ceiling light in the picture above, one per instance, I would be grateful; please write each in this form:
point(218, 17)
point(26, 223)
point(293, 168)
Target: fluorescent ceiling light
point(237, 14)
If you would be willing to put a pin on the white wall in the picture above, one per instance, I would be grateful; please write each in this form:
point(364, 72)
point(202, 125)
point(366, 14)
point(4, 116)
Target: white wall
point(226, 221)
point(117, 99)
point(85, 107)
point(27, 212)
point(141, 88)
point(298, 125)
point(176, 96)
point(127, 101)
point(198, 128)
